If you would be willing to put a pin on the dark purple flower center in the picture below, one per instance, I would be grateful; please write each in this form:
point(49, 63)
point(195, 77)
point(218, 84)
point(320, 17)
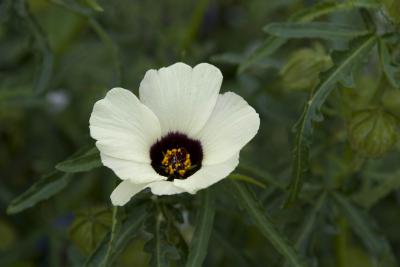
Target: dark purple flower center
point(176, 156)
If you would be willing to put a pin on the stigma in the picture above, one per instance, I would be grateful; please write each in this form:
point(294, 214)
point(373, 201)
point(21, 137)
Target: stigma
point(176, 161)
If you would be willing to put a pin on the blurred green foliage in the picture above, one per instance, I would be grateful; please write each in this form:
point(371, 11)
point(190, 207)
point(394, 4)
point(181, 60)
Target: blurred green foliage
point(317, 196)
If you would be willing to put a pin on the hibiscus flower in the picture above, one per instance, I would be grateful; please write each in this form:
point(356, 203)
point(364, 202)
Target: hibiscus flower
point(181, 136)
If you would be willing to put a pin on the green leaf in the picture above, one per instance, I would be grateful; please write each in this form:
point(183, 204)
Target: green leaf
point(129, 229)
point(363, 226)
point(117, 215)
point(227, 58)
point(341, 72)
point(373, 193)
point(307, 227)
point(261, 174)
point(327, 7)
point(267, 48)
point(257, 214)
point(236, 255)
point(43, 189)
point(82, 161)
point(247, 179)
point(321, 30)
point(273, 43)
point(101, 33)
point(162, 249)
point(392, 72)
point(94, 5)
point(202, 232)
point(44, 74)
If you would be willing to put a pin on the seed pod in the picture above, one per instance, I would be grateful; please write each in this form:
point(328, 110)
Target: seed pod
point(392, 9)
point(302, 70)
point(372, 132)
point(391, 101)
point(89, 227)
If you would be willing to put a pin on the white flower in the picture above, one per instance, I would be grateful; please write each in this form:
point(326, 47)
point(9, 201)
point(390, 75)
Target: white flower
point(181, 136)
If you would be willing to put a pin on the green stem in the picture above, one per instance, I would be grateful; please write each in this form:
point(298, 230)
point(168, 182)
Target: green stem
point(341, 242)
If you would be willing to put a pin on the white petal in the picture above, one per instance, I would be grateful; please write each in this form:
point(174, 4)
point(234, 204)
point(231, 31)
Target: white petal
point(232, 124)
point(208, 175)
point(123, 127)
point(124, 192)
point(136, 172)
point(181, 97)
point(165, 188)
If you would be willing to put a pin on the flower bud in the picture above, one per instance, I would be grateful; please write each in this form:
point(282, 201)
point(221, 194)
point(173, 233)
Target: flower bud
point(392, 10)
point(372, 132)
point(302, 70)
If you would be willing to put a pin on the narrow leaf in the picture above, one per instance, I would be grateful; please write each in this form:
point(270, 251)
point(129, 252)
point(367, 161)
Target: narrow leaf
point(247, 179)
point(261, 174)
point(82, 161)
point(362, 225)
point(308, 225)
point(204, 225)
point(236, 255)
point(341, 72)
point(43, 45)
point(374, 193)
point(327, 7)
point(267, 48)
point(43, 189)
point(306, 229)
point(273, 43)
point(117, 216)
point(94, 5)
point(256, 212)
point(322, 30)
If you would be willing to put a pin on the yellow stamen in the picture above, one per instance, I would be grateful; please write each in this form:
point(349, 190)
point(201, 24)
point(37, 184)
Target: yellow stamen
point(176, 160)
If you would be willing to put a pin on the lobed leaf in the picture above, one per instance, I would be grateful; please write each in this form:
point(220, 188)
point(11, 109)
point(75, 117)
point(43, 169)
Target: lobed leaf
point(341, 72)
point(273, 43)
point(264, 224)
point(202, 232)
point(82, 161)
point(43, 189)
